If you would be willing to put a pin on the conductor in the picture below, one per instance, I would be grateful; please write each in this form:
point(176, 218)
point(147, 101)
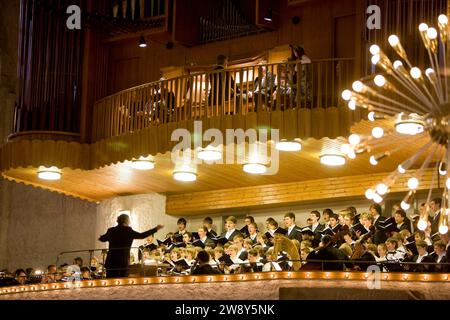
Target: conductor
point(120, 240)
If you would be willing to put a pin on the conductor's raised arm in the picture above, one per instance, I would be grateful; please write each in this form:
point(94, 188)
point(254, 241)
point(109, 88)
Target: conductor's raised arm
point(105, 237)
point(143, 235)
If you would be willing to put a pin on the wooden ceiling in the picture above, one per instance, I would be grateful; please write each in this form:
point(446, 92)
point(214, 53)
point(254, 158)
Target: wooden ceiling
point(120, 179)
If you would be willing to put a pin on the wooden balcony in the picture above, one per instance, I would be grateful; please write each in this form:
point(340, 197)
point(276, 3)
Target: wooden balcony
point(310, 88)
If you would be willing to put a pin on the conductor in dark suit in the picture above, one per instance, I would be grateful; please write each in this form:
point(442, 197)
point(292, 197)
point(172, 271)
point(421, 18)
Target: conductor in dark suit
point(120, 239)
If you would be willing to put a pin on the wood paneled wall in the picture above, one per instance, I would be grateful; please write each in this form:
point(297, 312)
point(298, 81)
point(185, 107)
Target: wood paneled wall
point(207, 202)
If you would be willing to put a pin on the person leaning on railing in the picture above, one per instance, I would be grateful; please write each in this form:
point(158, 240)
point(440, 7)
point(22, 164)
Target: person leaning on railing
point(120, 239)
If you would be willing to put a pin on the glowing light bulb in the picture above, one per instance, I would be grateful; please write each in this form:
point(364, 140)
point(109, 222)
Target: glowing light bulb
point(371, 116)
point(346, 95)
point(354, 139)
point(345, 148)
point(447, 183)
point(351, 154)
point(397, 64)
point(422, 225)
point(401, 169)
point(373, 161)
point(375, 59)
point(443, 19)
point(415, 73)
point(404, 205)
point(443, 229)
point(374, 49)
point(379, 80)
point(370, 193)
point(429, 72)
point(352, 105)
point(377, 132)
point(358, 86)
point(423, 27)
point(393, 40)
point(432, 33)
point(382, 189)
point(413, 183)
point(377, 198)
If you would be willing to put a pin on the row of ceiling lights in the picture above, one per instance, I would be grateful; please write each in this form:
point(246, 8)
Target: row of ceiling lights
point(189, 174)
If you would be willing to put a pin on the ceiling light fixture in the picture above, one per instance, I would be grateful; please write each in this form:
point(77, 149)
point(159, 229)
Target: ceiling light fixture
point(289, 146)
point(332, 160)
point(49, 173)
point(142, 42)
point(255, 168)
point(143, 163)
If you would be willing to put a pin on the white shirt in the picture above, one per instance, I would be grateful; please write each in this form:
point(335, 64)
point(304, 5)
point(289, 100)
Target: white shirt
point(229, 233)
point(314, 226)
point(290, 229)
point(419, 258)
point(440, 257)
point(204, 239)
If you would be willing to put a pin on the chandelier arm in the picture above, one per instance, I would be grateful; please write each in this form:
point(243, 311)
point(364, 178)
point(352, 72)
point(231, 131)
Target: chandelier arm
point(426, 162)
point(409, 84)
point(410, 161)
point(409, 99)
point(398, 110)
point(435, 65)
point(444, 49)
point(384, 142)
point(439, 75)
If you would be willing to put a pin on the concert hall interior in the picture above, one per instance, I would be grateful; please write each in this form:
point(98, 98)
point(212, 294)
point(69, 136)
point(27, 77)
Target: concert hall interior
point(224, 149)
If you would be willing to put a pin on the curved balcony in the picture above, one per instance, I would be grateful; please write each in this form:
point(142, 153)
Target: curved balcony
point(309, 90)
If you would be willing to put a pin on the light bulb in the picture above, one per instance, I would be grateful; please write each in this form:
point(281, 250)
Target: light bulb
point(352, 105)
point(354, 139)
point(382, 189)
point(369, 194)
point(346, 95)
point(443, 229)
point(377, 132)
point(393, 40)
point(351, 154)
point(423, 27)
point(358, 86)
point(49, 173)
point(375, 59)
point(397, 64)
point(401, 169)
point(379, 80)
point(422, 225)
point(415, 73)
point(443, 169)
point(443, 19)
point(404, 205)
point(413, 183)
point(374, 49)
point(345, 148)
point(373, 161)
point(377, 198)
point(447, 183)
point(429, 72)
point(371, 116)
point(432, 33)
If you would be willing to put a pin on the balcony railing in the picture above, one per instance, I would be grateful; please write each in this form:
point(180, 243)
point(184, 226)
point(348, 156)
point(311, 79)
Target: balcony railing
point(237, 91)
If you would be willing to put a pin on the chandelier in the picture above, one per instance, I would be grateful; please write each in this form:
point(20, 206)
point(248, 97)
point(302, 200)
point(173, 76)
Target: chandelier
point(410, 109)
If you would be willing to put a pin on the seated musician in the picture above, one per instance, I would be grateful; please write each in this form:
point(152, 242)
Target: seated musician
point(264, 87)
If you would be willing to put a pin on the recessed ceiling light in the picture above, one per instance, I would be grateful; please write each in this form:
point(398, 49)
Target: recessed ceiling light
point(289, 146)
point(50, 174)
point(255, 168)
point(332, 160)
